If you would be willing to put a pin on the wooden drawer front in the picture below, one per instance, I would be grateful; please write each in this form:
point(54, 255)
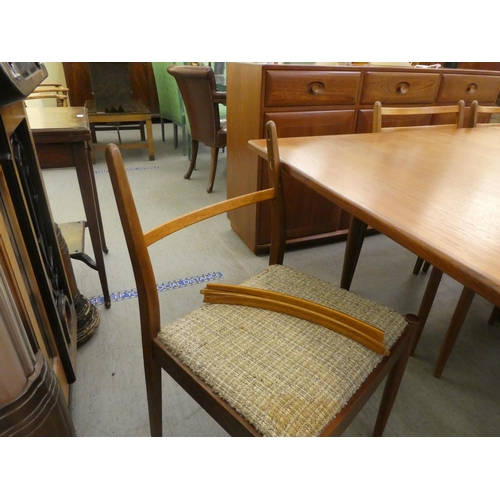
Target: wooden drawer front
point(399, 88)
point(307, 123)
point(481, 88)
point(311, 88)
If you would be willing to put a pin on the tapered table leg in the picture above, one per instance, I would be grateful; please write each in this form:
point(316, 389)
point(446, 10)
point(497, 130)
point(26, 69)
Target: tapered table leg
point(355, 238)
point(454, 329)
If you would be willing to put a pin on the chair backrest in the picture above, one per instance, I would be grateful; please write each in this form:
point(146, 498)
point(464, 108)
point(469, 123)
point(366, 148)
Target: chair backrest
point(169, 98)
point(476, 108)
point(201, 101)
point(424, 111)
point(51, 91)
point(138, 241)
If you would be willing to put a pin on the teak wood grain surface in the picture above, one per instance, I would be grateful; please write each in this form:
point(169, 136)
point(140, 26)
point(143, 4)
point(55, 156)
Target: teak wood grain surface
point(436, 192)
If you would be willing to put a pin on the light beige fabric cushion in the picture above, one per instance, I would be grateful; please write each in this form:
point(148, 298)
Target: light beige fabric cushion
point(286, 376)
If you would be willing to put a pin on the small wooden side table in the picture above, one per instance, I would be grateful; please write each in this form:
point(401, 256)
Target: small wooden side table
point(62, 139)
point(137, 112)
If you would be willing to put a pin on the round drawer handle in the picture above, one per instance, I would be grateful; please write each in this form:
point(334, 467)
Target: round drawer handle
point(471, 88)
point(316, 88)
point(403, 88)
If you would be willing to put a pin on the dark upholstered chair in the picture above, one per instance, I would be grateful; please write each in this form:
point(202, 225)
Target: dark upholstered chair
point(201, 101)
point(285, 354)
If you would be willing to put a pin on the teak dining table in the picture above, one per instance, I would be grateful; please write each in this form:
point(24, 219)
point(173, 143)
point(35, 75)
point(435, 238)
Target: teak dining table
point(435, 191)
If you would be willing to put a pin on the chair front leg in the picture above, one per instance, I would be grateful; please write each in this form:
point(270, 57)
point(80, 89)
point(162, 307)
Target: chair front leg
point(213, 168)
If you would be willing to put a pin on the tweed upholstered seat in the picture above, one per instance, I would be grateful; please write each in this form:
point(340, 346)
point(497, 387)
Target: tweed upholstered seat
point(286, 376)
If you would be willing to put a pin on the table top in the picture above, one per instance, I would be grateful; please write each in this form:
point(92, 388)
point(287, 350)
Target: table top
point(66, 124)
point(434, 191)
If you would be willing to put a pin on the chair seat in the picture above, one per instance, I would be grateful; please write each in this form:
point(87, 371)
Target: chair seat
point(286, 376)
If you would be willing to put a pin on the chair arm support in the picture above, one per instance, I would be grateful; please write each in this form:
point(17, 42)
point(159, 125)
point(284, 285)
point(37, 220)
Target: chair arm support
point(219, 97)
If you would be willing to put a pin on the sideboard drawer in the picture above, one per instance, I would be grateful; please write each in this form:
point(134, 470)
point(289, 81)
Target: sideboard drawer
point(308, 123)
point(399, 88)
point(481, 88)
point(311, 88)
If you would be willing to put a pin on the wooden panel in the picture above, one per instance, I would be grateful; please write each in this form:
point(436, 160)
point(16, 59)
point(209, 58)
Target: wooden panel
point(321, 215)
point(142, 84)
point(311, 88)
point(481, 88)
point(78, 81)
point(243, 176)
point(399, 87)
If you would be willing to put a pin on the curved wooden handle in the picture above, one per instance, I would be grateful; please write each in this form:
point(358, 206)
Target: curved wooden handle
point(334, 320)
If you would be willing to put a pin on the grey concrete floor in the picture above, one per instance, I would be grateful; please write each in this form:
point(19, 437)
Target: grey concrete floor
point(108, 398)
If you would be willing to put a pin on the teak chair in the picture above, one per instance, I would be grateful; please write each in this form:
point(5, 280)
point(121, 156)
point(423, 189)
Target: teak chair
point(248, 356)
point(201, 101)
point(401, 116)
point(476, 108)
point(51, 91)
point(425, 113)
point(467, 295)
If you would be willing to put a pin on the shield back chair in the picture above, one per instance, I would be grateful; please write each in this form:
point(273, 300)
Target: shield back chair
point(171, 105)
point(201, 101)
point(285, 354)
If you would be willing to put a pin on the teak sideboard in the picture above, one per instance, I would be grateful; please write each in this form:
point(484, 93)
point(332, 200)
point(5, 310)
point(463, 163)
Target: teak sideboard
point(311, 100)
